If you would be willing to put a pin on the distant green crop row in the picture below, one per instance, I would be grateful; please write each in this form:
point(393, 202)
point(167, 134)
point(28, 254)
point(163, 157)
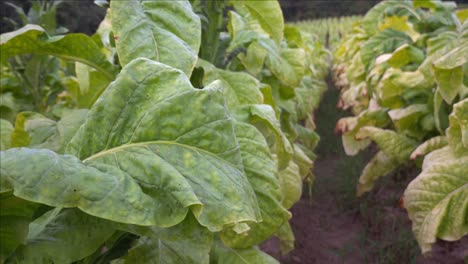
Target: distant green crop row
point(328, 30)
point(172, 135)
point(403, 72)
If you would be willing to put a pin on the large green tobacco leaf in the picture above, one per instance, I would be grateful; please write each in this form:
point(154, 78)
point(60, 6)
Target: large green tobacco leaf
point(76, 47)
point(151, 139)
point(15, 216)
point(63, 236)
point(457, 133)
point(261, 172)
point(187, 242)
point(164, 31)
point(264, 17)
point(437, 202)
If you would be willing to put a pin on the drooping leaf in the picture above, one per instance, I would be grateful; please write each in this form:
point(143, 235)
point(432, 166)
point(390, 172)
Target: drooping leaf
point(262, 174)
point(291, 184)
point(33, 39)
point(286, 237)
point(164, 31)
point(437, 202)
point(303, 161)
point(379, 166)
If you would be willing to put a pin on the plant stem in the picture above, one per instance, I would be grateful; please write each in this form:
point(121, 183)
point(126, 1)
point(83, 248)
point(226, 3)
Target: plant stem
point(210, 34)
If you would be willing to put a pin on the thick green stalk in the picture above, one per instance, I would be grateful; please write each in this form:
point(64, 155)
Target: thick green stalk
point(214, 11)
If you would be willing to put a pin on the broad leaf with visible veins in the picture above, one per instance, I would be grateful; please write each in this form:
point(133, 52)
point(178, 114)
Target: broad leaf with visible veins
point(437, 202)
point(153, 148)
point(164, 31)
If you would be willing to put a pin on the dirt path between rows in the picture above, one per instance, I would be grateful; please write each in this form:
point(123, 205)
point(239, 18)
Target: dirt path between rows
point(324, 233)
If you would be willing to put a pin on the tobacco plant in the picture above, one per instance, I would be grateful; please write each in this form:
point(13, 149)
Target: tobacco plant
point(163, 157)
point(403, 73)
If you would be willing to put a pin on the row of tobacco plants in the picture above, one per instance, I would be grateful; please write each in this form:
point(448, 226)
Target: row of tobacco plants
point(175, 134)
point(403, 73)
